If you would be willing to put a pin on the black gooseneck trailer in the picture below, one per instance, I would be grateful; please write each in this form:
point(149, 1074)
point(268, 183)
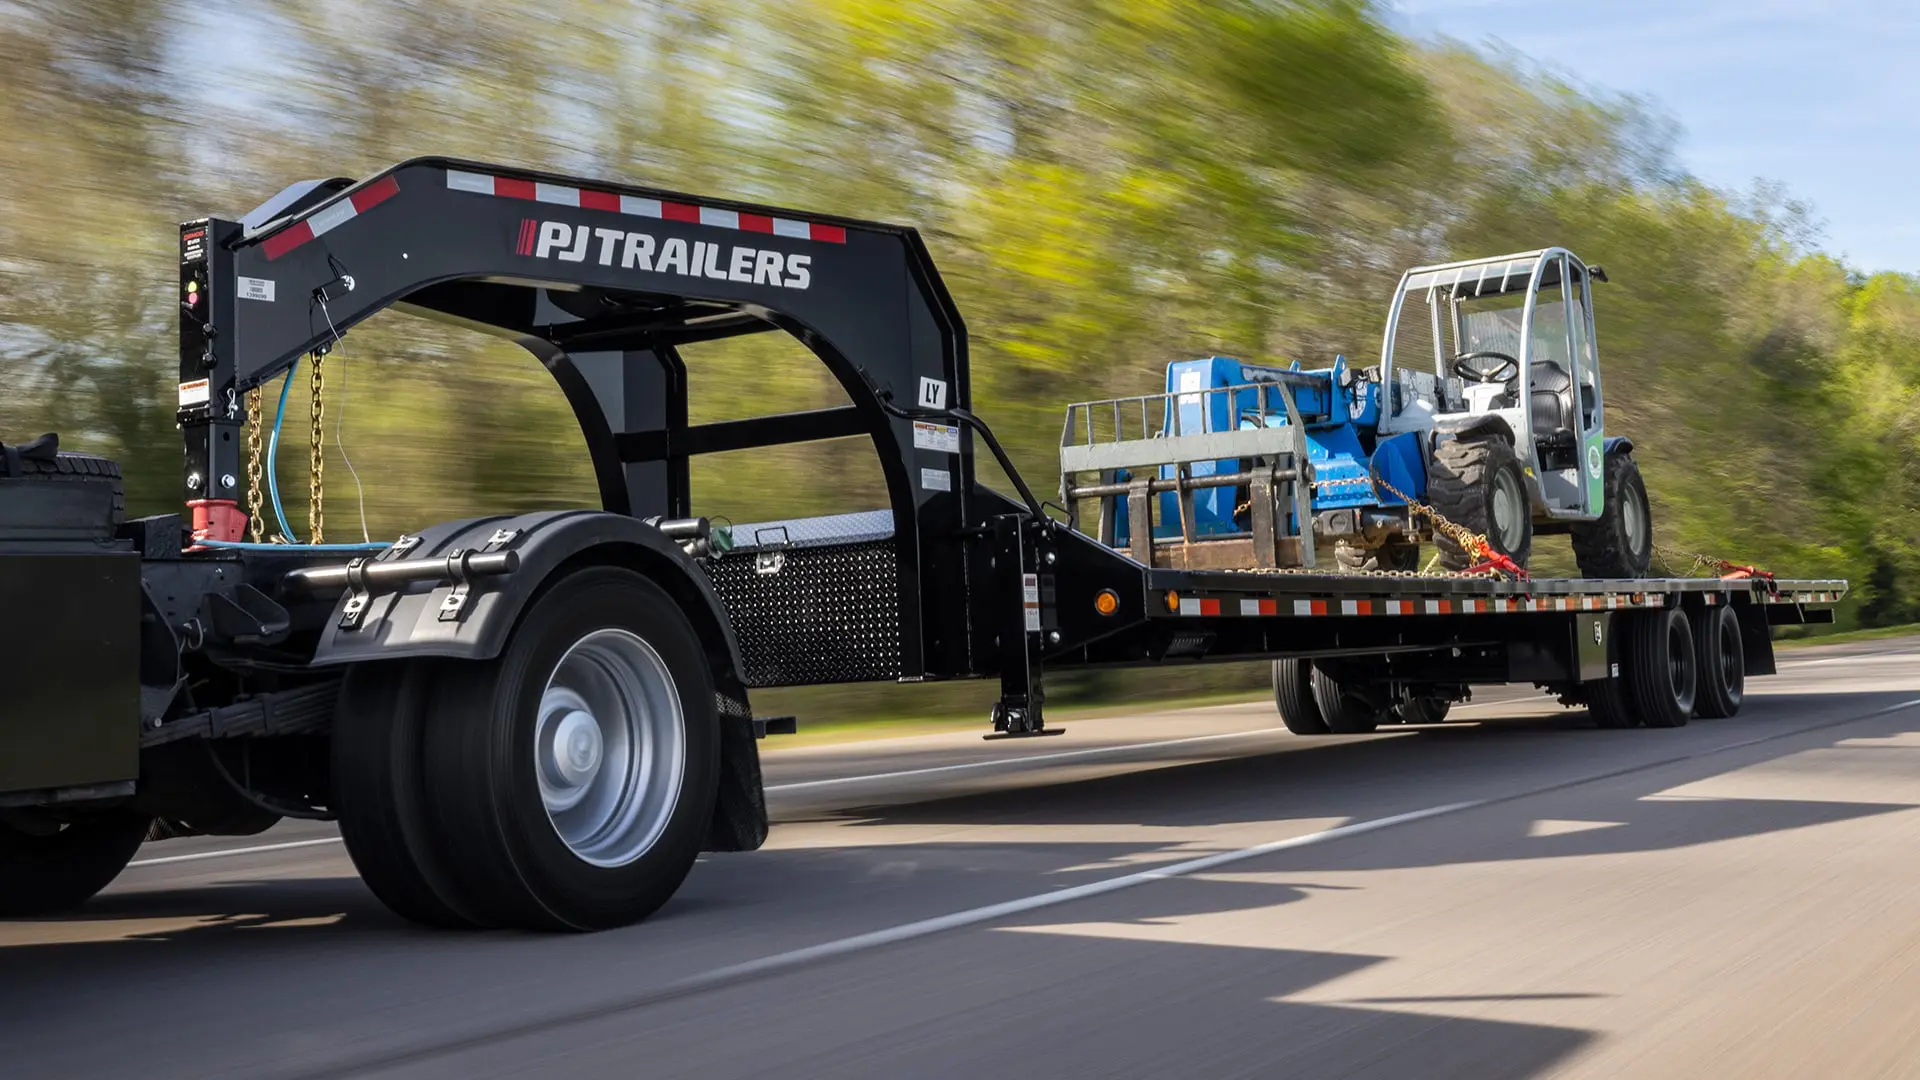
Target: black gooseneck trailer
point(539, 720)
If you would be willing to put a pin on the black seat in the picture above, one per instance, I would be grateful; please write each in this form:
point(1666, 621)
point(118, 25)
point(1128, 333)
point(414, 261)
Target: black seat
point(1552, 393)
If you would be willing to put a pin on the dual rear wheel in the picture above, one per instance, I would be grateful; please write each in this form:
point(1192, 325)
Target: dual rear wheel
point(1673, 666)
point(1313, 702)
point(568, 784)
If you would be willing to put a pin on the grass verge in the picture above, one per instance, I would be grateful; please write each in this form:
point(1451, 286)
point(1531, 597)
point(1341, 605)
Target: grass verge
point(861, 729)
point(1877, 633)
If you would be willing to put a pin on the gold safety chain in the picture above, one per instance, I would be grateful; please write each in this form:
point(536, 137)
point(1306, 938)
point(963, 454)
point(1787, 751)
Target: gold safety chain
point(316, 487)
point(1697, 562)
point(1714, 566)
point(1471, 542)
point(256, 504)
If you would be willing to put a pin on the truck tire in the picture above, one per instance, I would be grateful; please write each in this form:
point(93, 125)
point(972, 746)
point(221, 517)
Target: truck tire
point(571, 780)
point(1720, 653)
point(1607, 704)
point(1660, 671)
point(57, 870)
point(60, 496)
point(1346, 713)
point(1477, 483)
point(1619, 544)
point(380, 798)
point(1393, 555)
point(1293, 696)
point(1422, 710)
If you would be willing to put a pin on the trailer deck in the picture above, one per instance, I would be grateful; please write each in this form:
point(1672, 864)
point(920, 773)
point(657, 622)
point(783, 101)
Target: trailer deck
point(539, 719)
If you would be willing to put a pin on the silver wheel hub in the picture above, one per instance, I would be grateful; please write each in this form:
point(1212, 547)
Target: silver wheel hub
point(1632, 521)
point(1506, 515)
point(573, 749)
point(610, 747)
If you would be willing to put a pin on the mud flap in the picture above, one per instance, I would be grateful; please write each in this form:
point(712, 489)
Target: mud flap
point(740, 809)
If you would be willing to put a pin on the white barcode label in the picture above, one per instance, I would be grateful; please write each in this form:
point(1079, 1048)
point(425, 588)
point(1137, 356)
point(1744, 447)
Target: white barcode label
point(936, 480)
point(253, 288)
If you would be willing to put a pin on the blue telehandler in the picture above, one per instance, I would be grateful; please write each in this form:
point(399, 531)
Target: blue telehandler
point(1485, 408)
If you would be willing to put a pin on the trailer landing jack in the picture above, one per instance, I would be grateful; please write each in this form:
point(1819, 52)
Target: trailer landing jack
point(1018, 716)
point(1023, 557)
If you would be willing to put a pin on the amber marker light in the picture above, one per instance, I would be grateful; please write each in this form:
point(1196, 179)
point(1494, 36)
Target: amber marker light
point(1173, 601)
point(1107, 602)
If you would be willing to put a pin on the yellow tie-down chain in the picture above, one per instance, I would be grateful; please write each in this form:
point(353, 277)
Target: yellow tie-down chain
point(256, 503)
point(317, 458)
point(1724, 569)
point(1474, 543)
point(316, 462)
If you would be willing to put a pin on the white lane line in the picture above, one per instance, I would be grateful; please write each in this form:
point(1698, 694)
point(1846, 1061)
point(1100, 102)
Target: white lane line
point(893, 935)
point(991, 763)
point(991, 912)
point(995, 763)
point(1846, 658)
point(1002, 763)
point(224, 852)
point(1066, 755)
point(766, 965)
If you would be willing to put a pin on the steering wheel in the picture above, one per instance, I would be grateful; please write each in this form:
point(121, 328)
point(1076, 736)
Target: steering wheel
point(1507, 369)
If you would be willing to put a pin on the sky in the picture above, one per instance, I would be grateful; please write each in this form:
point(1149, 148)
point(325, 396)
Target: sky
point(1821, 96)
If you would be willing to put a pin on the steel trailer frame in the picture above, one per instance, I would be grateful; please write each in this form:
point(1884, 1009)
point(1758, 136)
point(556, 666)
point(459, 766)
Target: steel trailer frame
point(604, 284)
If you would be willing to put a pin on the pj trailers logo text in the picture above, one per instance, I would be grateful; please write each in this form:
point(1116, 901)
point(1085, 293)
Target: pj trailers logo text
point(640, 251)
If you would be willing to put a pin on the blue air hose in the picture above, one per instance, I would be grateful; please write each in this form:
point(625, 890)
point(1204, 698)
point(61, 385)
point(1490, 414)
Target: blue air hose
point(273, 454)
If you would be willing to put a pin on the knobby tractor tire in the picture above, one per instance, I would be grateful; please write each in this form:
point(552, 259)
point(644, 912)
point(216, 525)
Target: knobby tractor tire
point(1345, 712)
point(1293, 696)
point(1393, 555)
point(380, 794)
point(485, 774)
point(42, 873)
point(1659, 668)
point(1619, 544)
point(1422, 710)
point(1721, 655)
point(1467, 479)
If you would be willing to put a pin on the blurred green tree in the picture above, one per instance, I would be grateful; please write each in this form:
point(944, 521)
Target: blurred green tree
point(1109, 184)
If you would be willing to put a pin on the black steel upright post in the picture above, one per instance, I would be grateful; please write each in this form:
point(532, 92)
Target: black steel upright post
point(1023, 557)
point(210, 407)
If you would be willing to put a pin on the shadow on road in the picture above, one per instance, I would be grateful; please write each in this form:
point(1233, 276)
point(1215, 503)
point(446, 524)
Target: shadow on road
point(315, 967)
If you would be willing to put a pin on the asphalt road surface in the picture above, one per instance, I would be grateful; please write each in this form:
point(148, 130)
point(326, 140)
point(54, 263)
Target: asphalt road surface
point(1186, 894)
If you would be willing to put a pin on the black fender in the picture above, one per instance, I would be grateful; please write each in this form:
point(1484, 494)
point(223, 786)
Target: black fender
point(1487, 424)
point(1472, 427)
point(407, 623)
point(1616, 444)
point(549, 545)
